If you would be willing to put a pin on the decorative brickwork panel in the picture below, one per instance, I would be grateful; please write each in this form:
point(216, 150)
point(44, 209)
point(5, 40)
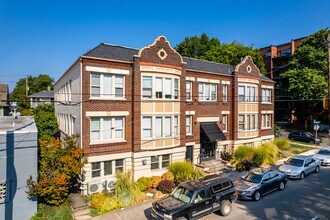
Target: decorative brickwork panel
point(247, 68)
point(160, 52)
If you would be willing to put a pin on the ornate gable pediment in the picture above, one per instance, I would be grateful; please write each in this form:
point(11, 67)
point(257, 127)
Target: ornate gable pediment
point(160, 52)
point(247, 67)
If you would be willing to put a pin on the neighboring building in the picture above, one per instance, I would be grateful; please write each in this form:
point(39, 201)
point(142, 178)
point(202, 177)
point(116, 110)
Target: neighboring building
point(43, 97)
point(18, 161)
point(142, 109)
point(4, 96)
point(276, 58)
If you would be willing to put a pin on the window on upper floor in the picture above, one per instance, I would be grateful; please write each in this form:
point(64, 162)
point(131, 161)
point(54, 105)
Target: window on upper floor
point(225, 122)
point(225, 93)
point(107, 85)
point(207, 91)
point(160, 87)
point(107, 128)
point(266, 120)
point(160, 126)
point(189, 90)
point(267, 54)
point(266, 95)
point(247, 93)
point(247, 122)
point(188, 124)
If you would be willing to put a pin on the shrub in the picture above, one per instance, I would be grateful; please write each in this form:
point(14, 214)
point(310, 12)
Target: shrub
point(226, 155)
point(144, 183)
point(168, 176)
point(198, 174)
point(244, 153)
point(166, 186)
point(155, 181)
point(104, 202)
point(182, 171)
point(281, 143)
point(271, 152)
point(260, 156)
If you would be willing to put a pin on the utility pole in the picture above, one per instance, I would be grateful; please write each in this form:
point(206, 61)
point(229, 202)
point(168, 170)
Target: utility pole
point(26, 86)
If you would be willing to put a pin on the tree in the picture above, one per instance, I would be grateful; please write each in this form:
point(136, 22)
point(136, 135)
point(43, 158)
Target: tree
point(212, 50)
point(35, 84)
point(60, 163)
point(305, 79)
point(44, 116)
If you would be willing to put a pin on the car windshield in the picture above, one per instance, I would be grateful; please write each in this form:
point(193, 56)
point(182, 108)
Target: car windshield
point(324, 152)
point(183, 194)
point(295, 162)
point(252, 177)
point(309, 134)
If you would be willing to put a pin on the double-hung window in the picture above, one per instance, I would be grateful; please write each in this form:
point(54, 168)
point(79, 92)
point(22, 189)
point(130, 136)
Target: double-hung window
point(96, 169)
point(160, 126)
point(176, 89)
point(160, 87)
point(247, 122)
point(266, 120)
point(241, 93)
point(207, 91)
point(225, 93)
point(147, 86)
point(241, 122)
point(107, 85)
point(159, 162)
point(107, 128)
point(247, 93)
point(225, 122)
point(106, 168)
point(147, 127)
point(168, 88)
point(176, 125)
point(266, 95)
point(188, 124)
point(167, 126)
point(188, 90)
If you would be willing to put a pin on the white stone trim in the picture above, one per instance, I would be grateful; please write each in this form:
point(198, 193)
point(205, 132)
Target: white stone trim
point(208, 119)
point(225, 82)
point(267, 87)
point(208, 80)
point(190, 112)
point(157, 69)
point(107, 70)
point(225, 112)
point(267, 112)
point(103, 113)
point(248, 80)
point(190, 143)
point(106, 157)
point(188, 78)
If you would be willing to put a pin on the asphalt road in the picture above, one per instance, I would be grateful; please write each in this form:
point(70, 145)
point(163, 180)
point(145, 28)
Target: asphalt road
point(301, 199)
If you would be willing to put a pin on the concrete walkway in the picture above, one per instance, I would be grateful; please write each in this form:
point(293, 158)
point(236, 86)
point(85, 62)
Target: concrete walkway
point(142, 211)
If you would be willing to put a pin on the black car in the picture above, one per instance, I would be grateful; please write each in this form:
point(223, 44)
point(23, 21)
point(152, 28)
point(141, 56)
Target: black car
point(304, 137)
point(258, 182)
point(196, 198)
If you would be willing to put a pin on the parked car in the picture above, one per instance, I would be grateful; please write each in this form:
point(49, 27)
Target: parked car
point(196, 198)
point(323, 155)
point(304, 137)
point(258, 182)
point(297, 167)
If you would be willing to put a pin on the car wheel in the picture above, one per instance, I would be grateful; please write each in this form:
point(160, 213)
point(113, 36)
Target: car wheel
point(312, 142)
point(225, 208)
point(281, 186)
point(317, 169)
point(257, 196)
point(302, 175)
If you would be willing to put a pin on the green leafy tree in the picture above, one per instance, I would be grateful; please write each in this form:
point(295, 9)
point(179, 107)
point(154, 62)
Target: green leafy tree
point(212, 50)
point(305, 79)
point(60, 163)
point(35, 84)
point(44, 116)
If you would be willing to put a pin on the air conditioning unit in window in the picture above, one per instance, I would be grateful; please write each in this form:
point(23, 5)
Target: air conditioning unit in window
point(95, 187)
point(111, 185)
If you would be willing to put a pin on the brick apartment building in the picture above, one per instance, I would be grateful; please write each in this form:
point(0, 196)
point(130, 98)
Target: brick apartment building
point(275, 59)
point(143, 109)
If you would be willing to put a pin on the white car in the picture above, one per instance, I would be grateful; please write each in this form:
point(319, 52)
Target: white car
point(297, 167)
point(323, 155)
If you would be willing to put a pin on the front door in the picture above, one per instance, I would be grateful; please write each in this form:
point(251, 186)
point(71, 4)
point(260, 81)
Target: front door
point(208, 150)
point(189, 153)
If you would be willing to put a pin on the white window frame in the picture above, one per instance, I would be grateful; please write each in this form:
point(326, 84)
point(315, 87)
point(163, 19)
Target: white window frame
point(207, 92)
point(114, 168)
point(146, 127)
point(266, 121)
point(225, 93)
point(169, 89)
point(103, 87)
point(173, 131)
point(189, 124)
point(97, 170)
point(189, 91)
point(248, 122)
point(159, 162)
point(247, 93)
point(266, 96)
point(225, 122)
point(113, 130)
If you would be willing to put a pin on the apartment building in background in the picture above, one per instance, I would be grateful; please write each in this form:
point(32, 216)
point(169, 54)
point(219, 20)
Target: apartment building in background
point(143, 109)
point(276, 58)
point(4, 97)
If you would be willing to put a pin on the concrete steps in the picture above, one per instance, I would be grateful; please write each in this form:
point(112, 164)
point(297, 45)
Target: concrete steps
point(79, 207)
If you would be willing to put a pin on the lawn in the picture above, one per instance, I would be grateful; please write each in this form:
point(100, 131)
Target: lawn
point(294, 149)
point(61, 212)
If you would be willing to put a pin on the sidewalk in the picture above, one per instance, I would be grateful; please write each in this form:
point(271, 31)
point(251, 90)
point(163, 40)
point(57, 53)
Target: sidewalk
point(142, 211)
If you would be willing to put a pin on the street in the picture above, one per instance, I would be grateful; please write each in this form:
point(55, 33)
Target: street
point(301, 199)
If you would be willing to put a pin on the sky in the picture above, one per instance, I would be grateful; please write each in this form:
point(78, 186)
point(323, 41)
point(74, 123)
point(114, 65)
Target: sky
point(46, 37)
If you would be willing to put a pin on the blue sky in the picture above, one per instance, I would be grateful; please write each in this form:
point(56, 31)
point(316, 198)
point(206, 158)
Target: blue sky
point(40, 36)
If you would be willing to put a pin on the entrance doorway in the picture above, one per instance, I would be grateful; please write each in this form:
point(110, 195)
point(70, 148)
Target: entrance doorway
point(208, 150)
point(189, 153)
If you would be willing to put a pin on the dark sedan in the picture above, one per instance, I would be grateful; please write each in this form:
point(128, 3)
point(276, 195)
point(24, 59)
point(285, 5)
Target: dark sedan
point(258, 182)
point(304, 137)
